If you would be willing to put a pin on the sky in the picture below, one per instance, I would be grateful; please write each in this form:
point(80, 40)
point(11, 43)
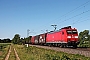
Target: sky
point(16, 16)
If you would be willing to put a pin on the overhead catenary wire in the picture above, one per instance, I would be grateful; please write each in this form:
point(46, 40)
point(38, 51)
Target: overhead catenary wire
point(73, 11)
point(76, 15)
point(79, 20)
point(83, 5)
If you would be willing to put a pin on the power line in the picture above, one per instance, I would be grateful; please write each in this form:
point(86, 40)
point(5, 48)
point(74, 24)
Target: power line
point(82, 21)
point(76, 8)
point(83, 5)
point(76, 15)
point(73, 10)
point(79, 21)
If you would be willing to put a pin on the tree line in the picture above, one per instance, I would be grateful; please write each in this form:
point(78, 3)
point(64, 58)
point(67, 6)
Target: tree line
point(18, 40)
point(5, 40)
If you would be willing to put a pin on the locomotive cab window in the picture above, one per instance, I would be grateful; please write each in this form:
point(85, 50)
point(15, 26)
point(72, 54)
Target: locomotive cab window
point(71, 32)
point(74, 32)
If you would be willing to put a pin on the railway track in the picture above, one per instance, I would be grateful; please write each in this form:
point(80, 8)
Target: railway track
point(12, 54)
point(84, 49)
point(80, 51)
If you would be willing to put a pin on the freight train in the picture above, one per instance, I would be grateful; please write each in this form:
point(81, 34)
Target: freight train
point(63, 37)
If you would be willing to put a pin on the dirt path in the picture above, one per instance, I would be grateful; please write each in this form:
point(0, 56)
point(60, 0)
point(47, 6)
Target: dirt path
point(7, 57)
point(17, 57)
point(12, 54)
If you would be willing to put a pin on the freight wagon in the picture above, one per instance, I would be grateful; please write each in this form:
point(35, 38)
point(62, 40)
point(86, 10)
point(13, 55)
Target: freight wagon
point(39, 39)
point(42, 39)
point(35, 39)
point(64, 37)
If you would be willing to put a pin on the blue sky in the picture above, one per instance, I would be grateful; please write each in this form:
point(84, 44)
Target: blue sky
point(16, 16)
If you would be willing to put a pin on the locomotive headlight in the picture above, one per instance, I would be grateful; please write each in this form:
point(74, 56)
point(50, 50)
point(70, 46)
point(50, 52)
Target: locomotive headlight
point(68, 36)
point(76, 36)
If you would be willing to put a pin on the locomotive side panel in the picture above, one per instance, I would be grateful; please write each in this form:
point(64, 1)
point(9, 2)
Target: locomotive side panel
point(55, 37)
point(63, 36)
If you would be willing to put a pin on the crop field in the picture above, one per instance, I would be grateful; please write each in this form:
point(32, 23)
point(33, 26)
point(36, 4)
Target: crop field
point(34, 53)
point(4, 47)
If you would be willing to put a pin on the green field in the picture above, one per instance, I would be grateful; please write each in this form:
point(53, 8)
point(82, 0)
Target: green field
point(34, 53)
point(4, 47)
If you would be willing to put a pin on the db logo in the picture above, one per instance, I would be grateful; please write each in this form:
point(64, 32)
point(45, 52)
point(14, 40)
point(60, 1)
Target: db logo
point(53, 37)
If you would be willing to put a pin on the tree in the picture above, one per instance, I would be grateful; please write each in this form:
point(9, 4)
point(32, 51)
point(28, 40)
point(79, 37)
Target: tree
point(28, 39)
point(16, 39)
point(84, 35)
point(84, 38)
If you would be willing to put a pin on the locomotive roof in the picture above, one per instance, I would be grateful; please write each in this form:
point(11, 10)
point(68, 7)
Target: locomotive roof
point(54, 31)
point(68, 27)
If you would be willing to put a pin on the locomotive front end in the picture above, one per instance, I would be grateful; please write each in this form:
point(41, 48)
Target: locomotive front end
point(72, 37)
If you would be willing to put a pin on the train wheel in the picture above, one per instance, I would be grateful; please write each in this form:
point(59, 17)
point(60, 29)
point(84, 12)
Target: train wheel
point(49, 45)
point(75, 46)
point(61, 46)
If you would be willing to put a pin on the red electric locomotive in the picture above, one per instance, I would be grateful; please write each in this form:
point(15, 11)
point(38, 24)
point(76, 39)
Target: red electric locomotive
point(64, 37)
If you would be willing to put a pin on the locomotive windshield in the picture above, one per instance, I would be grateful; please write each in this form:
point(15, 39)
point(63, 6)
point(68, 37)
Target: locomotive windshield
point(74, 31)
point(71, 32)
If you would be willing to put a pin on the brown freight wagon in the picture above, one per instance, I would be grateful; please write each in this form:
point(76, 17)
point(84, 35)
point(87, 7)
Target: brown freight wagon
point(36, 39)
point(32, 40)
point(42, 38)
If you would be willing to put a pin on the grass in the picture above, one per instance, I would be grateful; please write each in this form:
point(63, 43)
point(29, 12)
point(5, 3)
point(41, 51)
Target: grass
point(4, 47)
point(34, 53)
